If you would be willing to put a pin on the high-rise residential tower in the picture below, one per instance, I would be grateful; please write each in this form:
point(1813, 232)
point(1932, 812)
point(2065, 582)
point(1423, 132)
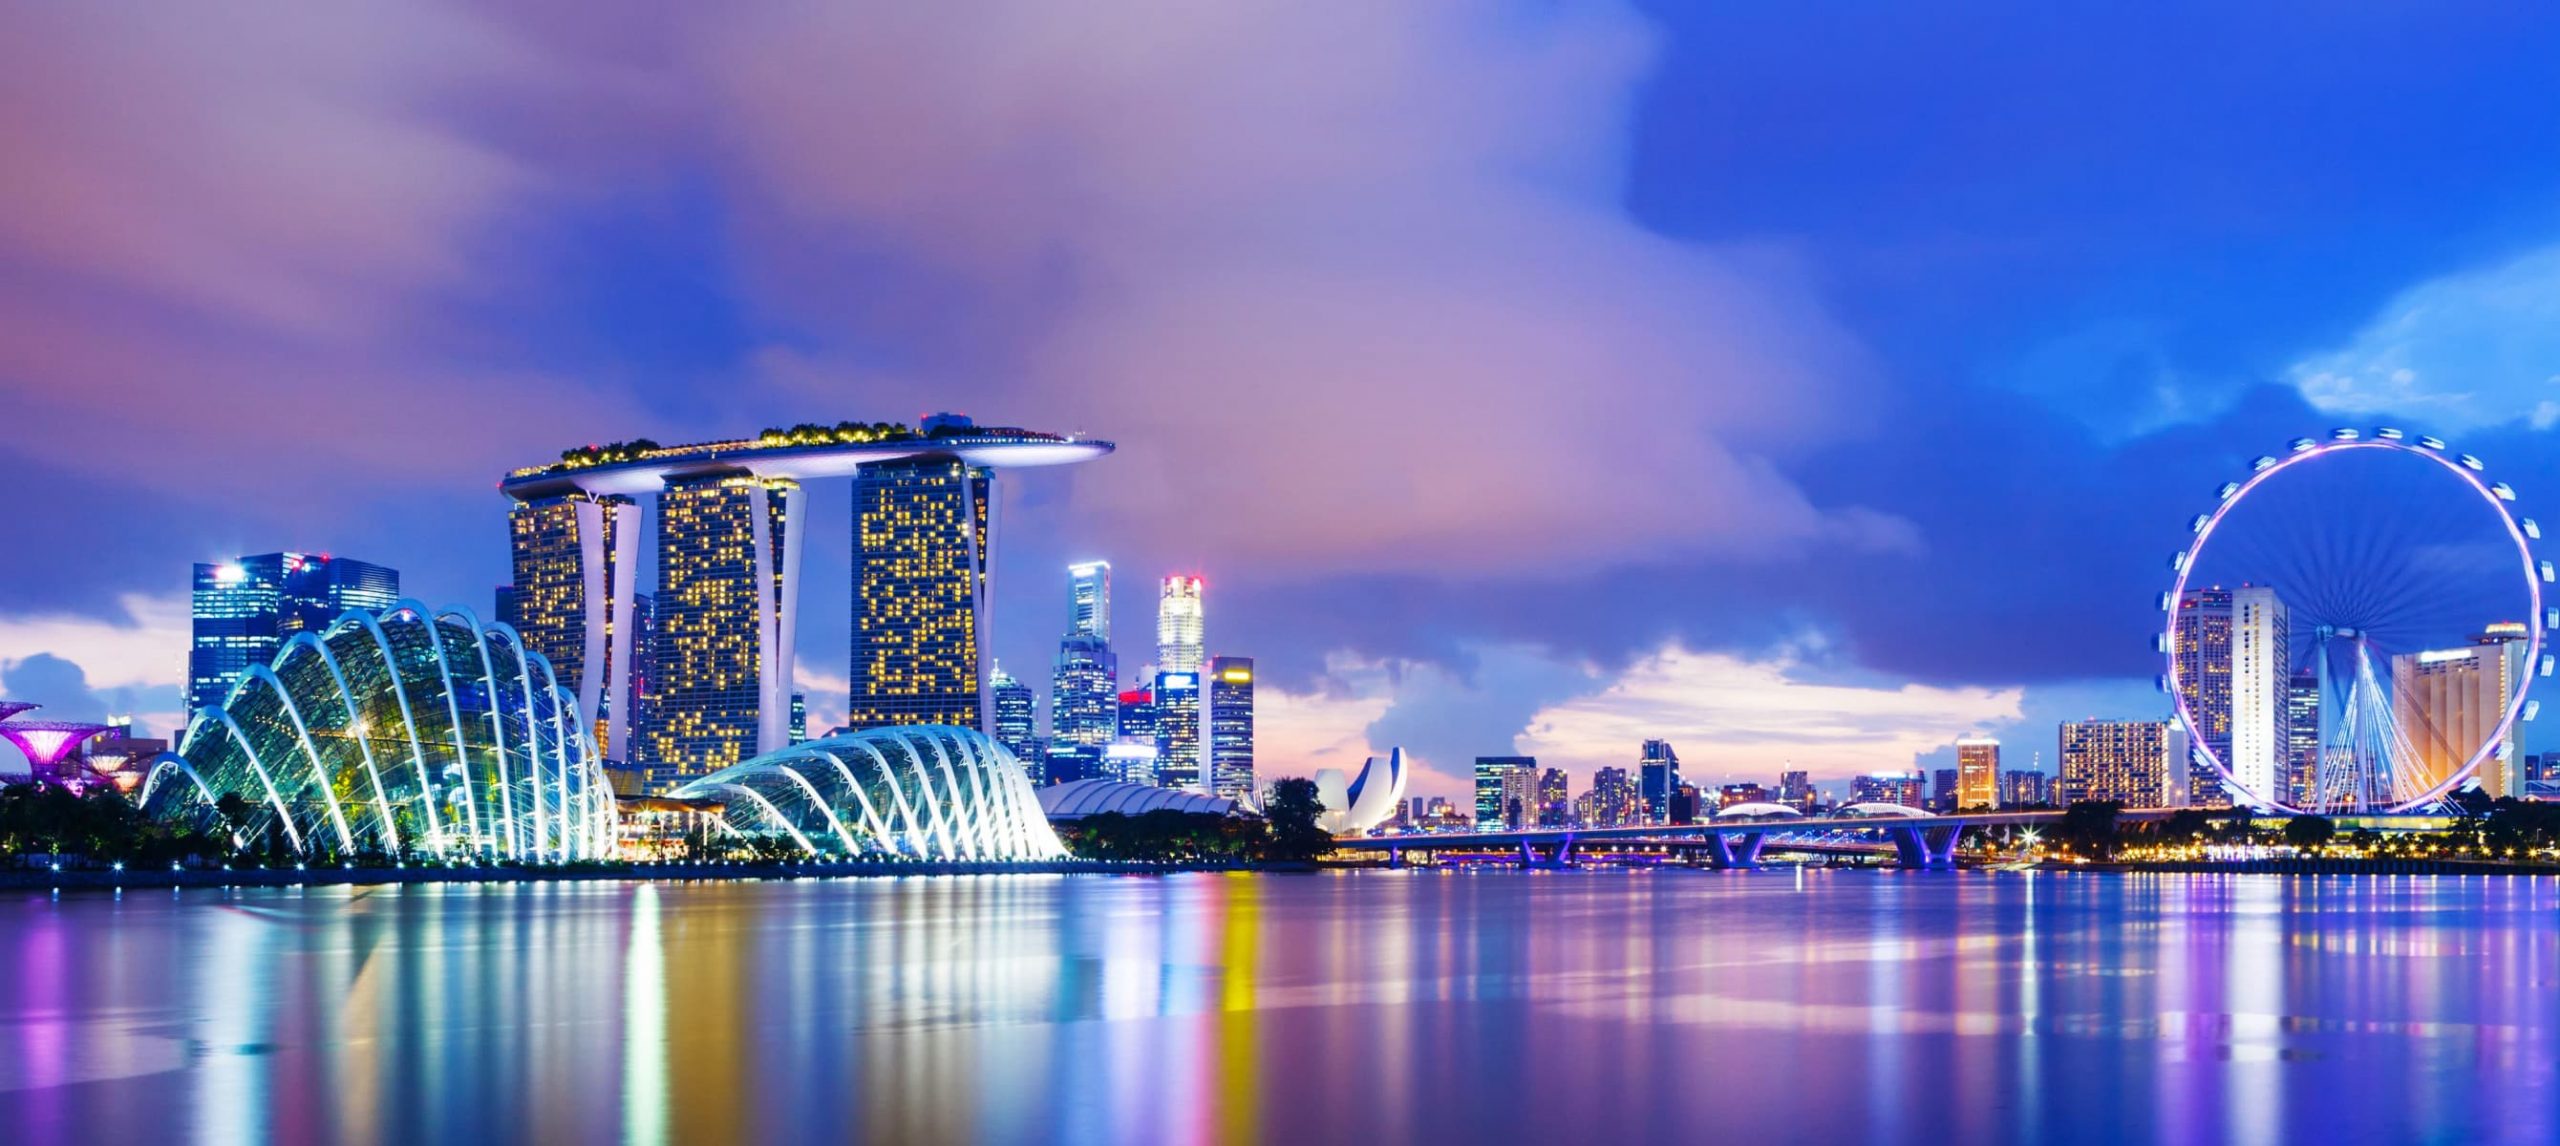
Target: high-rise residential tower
point(245, 610)
point(1977, 773)
point(2137, 763)
point(1179, 625)
point(2261, 675)
point(2302, 736)
point(569, 550)
point(727, 567)
point(2204, 678)
point(920, 584)
point(2448, 701)
point(1230, 721)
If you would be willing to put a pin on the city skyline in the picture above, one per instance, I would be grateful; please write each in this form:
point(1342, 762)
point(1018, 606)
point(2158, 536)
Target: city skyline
point(1821, 560)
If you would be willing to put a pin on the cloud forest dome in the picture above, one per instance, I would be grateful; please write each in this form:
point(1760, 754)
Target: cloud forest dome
point(416, 733)
point(927, 791)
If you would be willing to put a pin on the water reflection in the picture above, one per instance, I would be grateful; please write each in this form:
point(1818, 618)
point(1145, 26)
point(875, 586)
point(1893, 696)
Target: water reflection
point(1388, 1006)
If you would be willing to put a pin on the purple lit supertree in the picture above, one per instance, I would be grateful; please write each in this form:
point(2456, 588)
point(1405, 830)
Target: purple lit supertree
point(47, 743)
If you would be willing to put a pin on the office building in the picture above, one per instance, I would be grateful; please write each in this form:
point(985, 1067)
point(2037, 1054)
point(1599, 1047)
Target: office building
point(1131, 762)
point(1555, 800)
point(799, 717)
point(569, 552)
point(1795, 790)
point(2204, 682)
point(1179, 625)
point(1743, 793)
point(1659, 772)
point(723, 647)
point(2448, 701)
point(1977, 772)
point(1686, 806)
point(1902, 788)
point(1017, 720)
point(2302, 736)
point(2261, 678)
point(245, 610)
point(1614, 799)
point(1230, 721)
point(1137, 715)
point(1089, 600)
point(2025, 788)
point(1492, 773)
point(2137, 763)
point(1178, 748)
point(1942, 793)
point(920, 593)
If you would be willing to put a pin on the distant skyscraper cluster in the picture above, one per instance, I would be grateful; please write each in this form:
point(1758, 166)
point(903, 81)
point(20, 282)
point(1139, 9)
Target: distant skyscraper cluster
point(1187, 723)
point(244, 611)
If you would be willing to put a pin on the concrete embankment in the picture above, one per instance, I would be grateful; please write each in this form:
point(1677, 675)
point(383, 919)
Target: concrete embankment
point(82, 878)
point(2323, 866)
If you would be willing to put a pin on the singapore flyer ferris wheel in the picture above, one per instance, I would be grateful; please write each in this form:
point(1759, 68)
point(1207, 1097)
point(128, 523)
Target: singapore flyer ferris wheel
point(2355, 626)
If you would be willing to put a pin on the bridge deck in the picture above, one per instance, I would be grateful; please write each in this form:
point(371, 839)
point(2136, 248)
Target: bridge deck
point(1810, 825)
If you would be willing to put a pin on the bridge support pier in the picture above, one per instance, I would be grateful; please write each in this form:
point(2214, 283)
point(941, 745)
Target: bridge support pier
point(1395, 858)
point(1528, 857)
point(1564, 851)
point(1926, 849)
point(1736, 851)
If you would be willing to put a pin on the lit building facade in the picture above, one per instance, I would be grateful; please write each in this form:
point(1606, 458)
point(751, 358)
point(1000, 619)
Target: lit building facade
point(1089, 600)
point(1229, 715)
point(921, 528)
point(2137, 763)
point(2302, 736)
point(245, 610)
point(1180, 625)
point(2204, 682)
point(1904, 788)
point(2261, 678)
point(1492, 773)
point(1178, 748)
point(2025, 788)
point(700, 487)
point(726, 564)
point(2448, 701)
point(1977, 772)
point(1795, 789)
point(569, 552)
point(1555, 800)
point(1615, 801)
point(1520, 798)
point(1016, 721)
point(1659, 777)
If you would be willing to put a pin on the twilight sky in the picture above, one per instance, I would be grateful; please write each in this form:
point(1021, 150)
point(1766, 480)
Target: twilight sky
point(1796, 386)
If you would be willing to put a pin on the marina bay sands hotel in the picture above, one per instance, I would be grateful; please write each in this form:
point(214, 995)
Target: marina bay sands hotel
point(698, 674)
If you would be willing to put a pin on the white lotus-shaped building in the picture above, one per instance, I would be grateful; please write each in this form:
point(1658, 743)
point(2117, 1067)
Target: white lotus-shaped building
point(927, 791)
point(1365, 802)
point(421, 732)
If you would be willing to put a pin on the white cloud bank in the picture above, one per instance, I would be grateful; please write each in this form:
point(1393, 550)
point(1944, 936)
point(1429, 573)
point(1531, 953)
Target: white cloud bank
point(2477, 348)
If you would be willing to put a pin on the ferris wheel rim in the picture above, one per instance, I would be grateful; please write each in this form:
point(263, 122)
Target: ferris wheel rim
point(2464, 468)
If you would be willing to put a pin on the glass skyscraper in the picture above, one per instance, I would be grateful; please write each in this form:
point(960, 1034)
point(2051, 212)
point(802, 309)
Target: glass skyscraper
point(1179, 625)
point(1659, 777)
point(1230, 720)
point(1084, 711)
point(1089, 600)
point(246, 609)
point(1492, 774)
point(1016, 720)
point(2204, 680)
point(720, 586)
point(1178, 730)
point(920, 593)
